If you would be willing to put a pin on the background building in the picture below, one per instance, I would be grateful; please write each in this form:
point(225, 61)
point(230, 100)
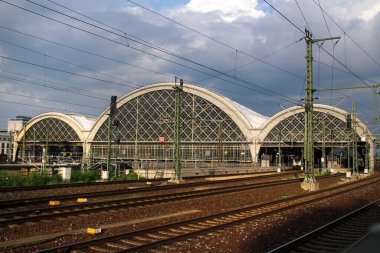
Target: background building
point(215, 129)
point(5, 146)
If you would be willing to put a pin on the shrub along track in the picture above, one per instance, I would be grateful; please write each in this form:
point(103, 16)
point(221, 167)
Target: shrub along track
point(162, 236)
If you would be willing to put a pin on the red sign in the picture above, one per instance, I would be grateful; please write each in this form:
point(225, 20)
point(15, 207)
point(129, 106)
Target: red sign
point(161, 139)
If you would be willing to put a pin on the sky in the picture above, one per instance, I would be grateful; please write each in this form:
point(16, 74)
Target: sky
point(72, 56)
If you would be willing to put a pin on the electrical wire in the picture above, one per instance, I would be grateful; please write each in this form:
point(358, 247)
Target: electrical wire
point(67, 62)
point(51, 100)
point(84, 51)
point(303, 16)
point(151, 54)
point(323, 49)
point(357, 44)
point(38, 83)
point(44, 107)
point(65, 71)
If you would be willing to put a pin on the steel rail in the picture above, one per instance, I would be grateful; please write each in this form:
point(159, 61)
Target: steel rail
point(12, 203)
point(17, 217)
point(190, 228)
point(54, 186)
point(315, 239)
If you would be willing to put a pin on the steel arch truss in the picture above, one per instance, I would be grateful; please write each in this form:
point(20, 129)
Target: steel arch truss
point(326, 126)
point(206, 129)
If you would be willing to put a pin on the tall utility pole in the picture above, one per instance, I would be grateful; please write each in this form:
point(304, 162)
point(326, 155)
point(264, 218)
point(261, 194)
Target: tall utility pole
point(220, 142)
point(110, 118)
point(177, 130)
point(323, 145)
point(309, 182)
point(10, 148)
point(279, 150)
point(355, 170)
point(24, 146)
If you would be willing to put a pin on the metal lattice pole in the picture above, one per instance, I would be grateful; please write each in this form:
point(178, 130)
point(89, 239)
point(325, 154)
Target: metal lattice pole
point(109, 144)
point(110, 118)
point(309, 137)
point(354, 142)
point(177, 130)
point(323, 145)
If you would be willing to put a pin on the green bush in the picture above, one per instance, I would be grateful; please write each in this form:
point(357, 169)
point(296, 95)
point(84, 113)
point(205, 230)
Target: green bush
point(85, 176)
point(327, 173)
point(129, 176)
point(33, 178)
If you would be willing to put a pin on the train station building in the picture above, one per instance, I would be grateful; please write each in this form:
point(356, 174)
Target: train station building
point(214, 130)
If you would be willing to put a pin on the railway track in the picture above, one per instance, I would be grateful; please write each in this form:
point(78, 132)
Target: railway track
point(160, 238)
point(66, 197)
point(34, 213)
point(338, 235)
point(28, 203)
point(115, 182)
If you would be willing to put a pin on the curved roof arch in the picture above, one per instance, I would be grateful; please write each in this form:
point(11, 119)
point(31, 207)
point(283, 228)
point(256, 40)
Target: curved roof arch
point(361, 129)
point(245, 118)
point(80, 124)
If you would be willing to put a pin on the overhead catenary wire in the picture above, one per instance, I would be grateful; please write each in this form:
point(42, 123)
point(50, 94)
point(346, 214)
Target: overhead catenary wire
point(323, 49)
point(215, 40)
point(45, 107)
point(252, 62)
point(135, 66)
point(164, 50)
point(160, 57)
point(51, 100)
point(84, 51)
point(64, 71)
point(346, 34)
point(41, 84)
point(65, 61)
point(303, 16)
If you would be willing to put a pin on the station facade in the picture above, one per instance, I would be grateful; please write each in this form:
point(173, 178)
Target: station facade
point(213, 129)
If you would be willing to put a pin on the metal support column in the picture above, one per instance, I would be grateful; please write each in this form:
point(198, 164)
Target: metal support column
point(309, 182)
point(23, 157)
point(109, 144)
point(355, 170)
point(323, 145)
point(110, 118)
point(309, 137)
point(177, 130)
point(279, 150)
point(220, 143)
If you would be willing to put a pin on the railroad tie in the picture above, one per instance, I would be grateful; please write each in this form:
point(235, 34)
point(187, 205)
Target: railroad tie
point(99, 249)
point(178, 231)
point(140, 238)
point(117, 246)
point(188, 228)
point(130, 242)
point(167, 233)
point(155, 236)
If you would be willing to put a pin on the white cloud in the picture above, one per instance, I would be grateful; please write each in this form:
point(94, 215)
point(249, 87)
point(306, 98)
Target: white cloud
point(230, 10)
point(368, 14)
